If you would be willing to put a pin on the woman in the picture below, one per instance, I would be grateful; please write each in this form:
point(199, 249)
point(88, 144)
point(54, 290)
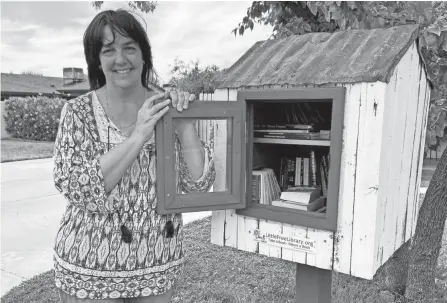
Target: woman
point(112, 245)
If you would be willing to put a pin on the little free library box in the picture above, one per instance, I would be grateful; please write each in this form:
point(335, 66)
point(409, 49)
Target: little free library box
point(317, 142)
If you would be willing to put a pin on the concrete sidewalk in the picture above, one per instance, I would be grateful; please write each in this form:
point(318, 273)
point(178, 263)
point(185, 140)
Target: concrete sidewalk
point(31, 209)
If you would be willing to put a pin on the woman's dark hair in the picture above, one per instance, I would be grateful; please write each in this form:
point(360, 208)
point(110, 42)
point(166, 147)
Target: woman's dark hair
point(126, 25)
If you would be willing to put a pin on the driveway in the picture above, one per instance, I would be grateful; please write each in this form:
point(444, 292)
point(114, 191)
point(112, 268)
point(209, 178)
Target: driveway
point(31, 208)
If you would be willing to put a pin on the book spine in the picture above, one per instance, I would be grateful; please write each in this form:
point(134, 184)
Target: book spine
point(323, 178)
point(284, 174)
point(263, 198)
point(283, 131)
point(325, 167)
point(283, 136)
point(256, 188)
point(293, 126)
point(313, 168)
point(297, 171)
point(306, 171)
point(290, 172)
point(281, 173)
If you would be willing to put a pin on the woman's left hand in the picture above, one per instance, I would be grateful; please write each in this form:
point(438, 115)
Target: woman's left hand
point(180, 100)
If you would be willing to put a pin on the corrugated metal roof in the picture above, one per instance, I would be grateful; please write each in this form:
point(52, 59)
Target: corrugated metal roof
point(320, 58)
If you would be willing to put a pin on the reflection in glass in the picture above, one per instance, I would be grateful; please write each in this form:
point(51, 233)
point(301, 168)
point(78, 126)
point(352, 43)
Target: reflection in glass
point(215, 136)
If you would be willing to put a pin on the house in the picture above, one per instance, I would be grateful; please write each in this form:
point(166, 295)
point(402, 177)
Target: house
point(72, 84)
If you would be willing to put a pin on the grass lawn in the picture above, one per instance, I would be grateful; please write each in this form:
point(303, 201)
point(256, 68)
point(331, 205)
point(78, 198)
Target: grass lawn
point(219, 274)
point(18, 149)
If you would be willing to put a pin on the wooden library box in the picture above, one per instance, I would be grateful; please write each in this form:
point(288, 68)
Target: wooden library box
point(317, 147)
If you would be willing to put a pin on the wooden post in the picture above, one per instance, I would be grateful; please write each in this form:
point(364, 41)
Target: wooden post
point(313, 285)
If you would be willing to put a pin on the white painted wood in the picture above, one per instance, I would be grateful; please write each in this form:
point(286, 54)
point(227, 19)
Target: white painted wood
point(367, 178)
point(265, 249)
point(424, 127)
point(218, 227)
point(343, 235)
point(246, 227)
point(400, 170)
point(289, 254)
point(413, 134)
point(402, 149)
point(394, 169)
point(384, 202)
point(418, 150)
point(325, 248)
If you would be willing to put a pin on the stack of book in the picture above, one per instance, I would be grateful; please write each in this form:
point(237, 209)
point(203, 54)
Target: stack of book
point(265, 186)
point(301, 197)
point(311, 170)
point(286, 131)
point(325, 134)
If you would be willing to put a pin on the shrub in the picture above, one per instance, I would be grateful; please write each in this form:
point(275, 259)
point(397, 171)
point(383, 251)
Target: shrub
point(33, 118)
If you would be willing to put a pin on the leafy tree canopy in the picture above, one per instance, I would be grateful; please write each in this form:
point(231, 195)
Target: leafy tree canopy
point(301, 17)
point(193, 78)
point(143, 6)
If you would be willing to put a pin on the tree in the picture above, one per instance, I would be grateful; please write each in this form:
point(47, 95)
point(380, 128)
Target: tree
point(31, 73)
point(192, 78)
point(299, 17)
point(143, 6)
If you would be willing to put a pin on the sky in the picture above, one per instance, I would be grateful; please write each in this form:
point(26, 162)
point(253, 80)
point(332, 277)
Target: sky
point(44, 37)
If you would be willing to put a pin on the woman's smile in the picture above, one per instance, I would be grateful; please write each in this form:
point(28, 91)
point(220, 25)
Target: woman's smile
point(123, 71)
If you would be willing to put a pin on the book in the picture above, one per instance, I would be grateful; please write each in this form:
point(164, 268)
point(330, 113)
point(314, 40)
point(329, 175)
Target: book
point(290, 172)
point(306, 168)
point(289, 204)
point(291, 136)
point(301, 194)
point(287, 135)
point(284, 126)
point(316, 204)
point(298, 171)
point(323, 182)
point(325, 134)
point(256, 187)
point(321, 210)
point(283, 131)
point(313, 168)
point(268, 188)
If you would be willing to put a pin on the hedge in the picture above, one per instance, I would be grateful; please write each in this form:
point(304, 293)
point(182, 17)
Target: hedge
point(33, 118)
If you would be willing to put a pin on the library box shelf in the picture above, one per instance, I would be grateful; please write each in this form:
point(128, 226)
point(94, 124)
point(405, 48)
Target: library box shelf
point(321, 142)
point(287, 113)
point(236, 124)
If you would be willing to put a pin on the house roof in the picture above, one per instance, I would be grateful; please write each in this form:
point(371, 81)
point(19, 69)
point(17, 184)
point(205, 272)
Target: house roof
point(75, 87)
point(319, 58)
point(13, 83)
point(34, 84)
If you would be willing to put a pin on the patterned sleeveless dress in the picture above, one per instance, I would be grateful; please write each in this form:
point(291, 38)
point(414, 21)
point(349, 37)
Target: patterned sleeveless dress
point(91, 260)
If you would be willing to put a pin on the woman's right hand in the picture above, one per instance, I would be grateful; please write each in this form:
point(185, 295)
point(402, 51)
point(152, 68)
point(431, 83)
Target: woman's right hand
point(148, 116)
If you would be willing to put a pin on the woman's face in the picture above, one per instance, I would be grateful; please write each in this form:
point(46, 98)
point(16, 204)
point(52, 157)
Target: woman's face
point(121, 60)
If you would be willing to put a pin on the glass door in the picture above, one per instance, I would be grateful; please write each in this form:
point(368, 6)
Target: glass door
point(209, 132)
